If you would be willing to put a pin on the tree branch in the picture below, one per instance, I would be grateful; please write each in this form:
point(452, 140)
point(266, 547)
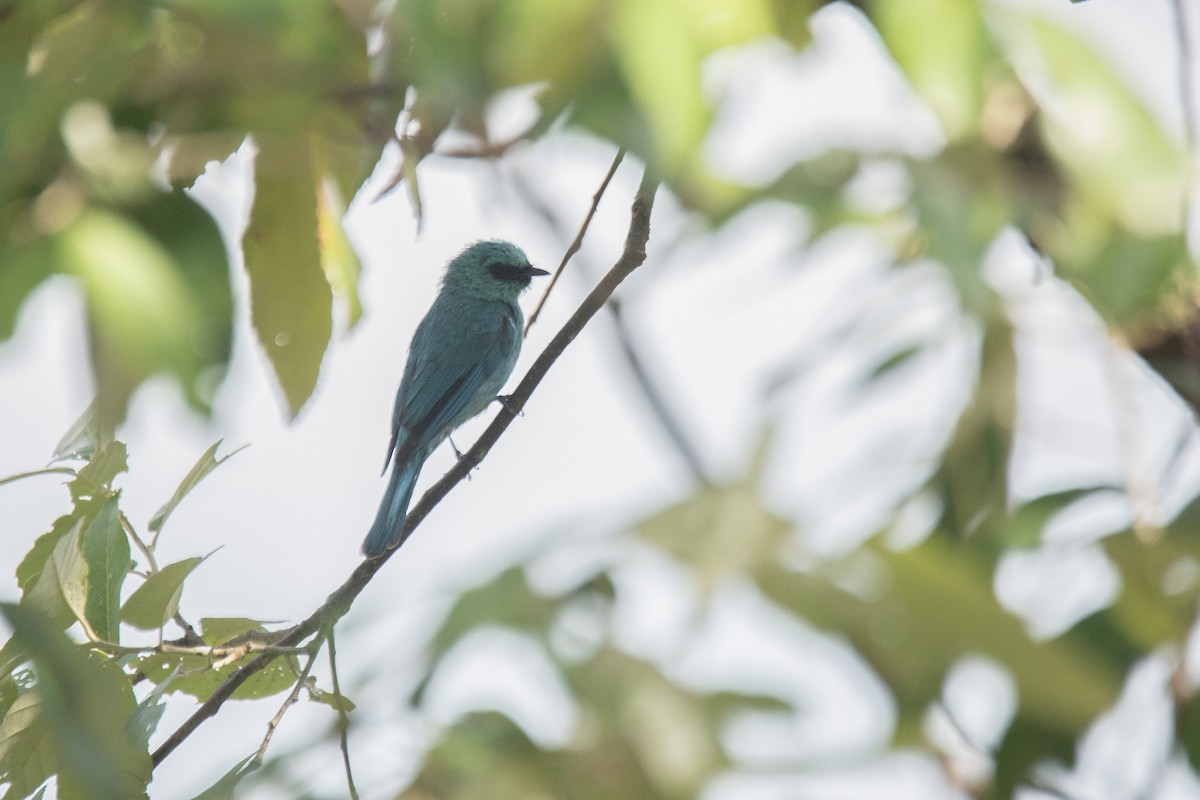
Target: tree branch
point(578, 241)
point(338, 603)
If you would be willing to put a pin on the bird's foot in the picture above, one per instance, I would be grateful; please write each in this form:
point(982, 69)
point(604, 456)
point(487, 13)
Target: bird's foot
point(458, 454)
point(507, 401)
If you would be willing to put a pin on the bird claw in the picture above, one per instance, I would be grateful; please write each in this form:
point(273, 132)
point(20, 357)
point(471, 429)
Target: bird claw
point(458, 454)
point(506, 401)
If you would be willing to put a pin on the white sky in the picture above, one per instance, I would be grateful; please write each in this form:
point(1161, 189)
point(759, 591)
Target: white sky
point(715, 317)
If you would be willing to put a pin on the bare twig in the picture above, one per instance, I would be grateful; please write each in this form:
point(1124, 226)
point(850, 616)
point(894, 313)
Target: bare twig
point(146, 551)
point(340, 601)
point(1186, 99)
point(293, 695)
point(46, 471)
point(578, 241)
point(658, 403)
point(223, 655)
point(343, 717)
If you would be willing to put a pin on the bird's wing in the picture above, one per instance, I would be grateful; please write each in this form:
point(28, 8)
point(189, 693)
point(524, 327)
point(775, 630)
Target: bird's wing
point(446, 371)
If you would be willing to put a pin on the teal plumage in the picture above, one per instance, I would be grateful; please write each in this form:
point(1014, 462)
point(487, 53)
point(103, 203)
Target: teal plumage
point(460, 357)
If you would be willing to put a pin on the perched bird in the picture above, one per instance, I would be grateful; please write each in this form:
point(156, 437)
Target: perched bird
point(461, 355)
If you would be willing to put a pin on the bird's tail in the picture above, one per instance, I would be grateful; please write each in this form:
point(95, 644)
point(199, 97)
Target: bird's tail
point(386, 533)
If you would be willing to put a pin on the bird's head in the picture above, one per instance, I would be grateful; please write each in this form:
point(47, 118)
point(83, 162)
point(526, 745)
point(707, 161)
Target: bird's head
point(493, 270)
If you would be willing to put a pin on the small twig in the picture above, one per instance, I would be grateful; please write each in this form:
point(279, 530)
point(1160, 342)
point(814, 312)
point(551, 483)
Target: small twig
point(658, 403)
point(578, 241)
point(36, 472)
point(1186, 99)
point(146, 552)
point(222, 653)
point(343, 717)
point(343, 597)
point(292, 697)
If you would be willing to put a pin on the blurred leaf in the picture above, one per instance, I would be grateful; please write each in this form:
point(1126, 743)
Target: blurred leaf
point(895, 361)
point(223, 788)
point(142, 316)
point(105, 547)
point(197, 679)
point(289, 295)
point(1023, 527)
point(28, 756)
point(486, 755)
point(201, 265)
point(973, 476)
point(199, 471)
point(1118, 153)
point(154, 602)
point(932, 605)
point(719, 532)
point(947, 69)
point(1130, 279)
point(338, 258)
point(85, 702)
point(336, 701)
point(961, 204)
point(660, 59)
point(81, 440)
point(1027, 743)
point(221, 630)
point(506, 600)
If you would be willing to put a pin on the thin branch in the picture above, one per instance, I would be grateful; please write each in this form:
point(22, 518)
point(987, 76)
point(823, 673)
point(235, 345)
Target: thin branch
point(343, 717)
point(146, 552)
point(223, 653)
point(292, 697)
point(658, 403)
point(578, 241)
point(338, 603)
point(1186, 99)
point(36, 472)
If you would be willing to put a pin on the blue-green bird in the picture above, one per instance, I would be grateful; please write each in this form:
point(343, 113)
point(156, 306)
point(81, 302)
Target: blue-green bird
point(461, 355)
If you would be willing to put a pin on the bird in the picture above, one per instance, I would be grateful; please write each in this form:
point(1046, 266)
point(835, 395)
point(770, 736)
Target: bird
point(461, 355)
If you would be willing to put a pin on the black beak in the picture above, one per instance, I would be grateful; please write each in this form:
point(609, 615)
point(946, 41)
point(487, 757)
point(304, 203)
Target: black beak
point(533, 272)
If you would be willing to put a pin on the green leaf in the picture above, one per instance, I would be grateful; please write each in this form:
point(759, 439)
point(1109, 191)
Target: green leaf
point(85, 702)
point(220, 630)
point(338, 702)
point(106, 550)
point(338, 258)
point(207, 463)
point(35, 560)
point(660, 60)
point(81, 440)
point(290, 298)
point(154, 602)
point(95, 478)
point(1117, 151)
point(947, 69)
point(71, 569)
point(223, 788)
point(28, 757)
point(45, 594)
point(143, 315)
point(197, 678)
point(145, 718)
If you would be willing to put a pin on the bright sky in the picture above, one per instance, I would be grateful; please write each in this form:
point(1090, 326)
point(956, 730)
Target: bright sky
point(715, 316)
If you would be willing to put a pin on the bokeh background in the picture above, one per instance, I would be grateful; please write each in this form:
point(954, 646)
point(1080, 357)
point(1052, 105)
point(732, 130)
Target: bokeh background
point(875, 480)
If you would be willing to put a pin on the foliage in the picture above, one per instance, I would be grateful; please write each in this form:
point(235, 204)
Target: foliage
point(103, 98)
